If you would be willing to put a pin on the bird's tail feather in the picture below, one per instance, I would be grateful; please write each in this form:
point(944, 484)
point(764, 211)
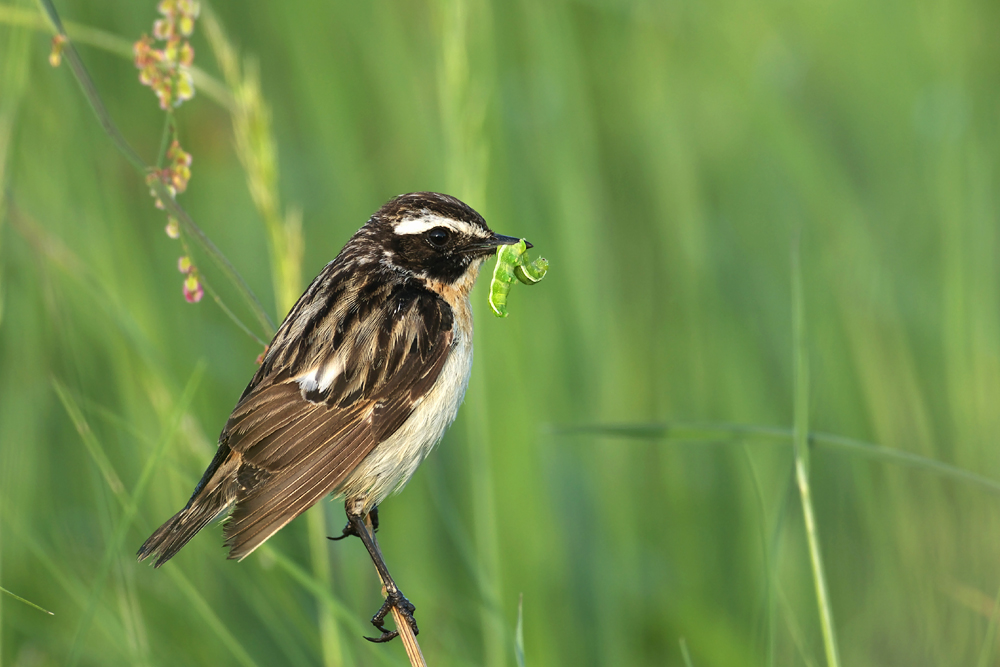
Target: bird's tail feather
point(175, 533)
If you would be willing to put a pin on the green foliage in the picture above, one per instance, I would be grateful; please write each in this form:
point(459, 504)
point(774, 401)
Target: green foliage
point(665, 155)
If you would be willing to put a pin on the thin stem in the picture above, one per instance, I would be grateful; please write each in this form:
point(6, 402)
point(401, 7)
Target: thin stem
point(229, 313)
point(159, 189)
point(219, 302)
point(319, 553)
point(463, 92)
point(169, 130)
point(27, 602)
point(90, 90)
point(106, 41)
point(220, 260)
point(406, 635)
point(801, 452)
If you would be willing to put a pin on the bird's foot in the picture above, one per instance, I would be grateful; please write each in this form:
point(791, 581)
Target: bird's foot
point(349, 529)
point(406, 609)
point(347, 532)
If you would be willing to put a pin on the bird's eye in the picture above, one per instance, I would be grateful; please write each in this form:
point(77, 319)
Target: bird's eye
point(438, 237)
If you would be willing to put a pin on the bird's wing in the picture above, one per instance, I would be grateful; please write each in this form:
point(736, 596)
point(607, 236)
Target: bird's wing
point(323, 403)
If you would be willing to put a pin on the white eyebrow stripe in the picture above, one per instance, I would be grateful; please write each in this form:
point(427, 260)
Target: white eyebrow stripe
point(427, 222)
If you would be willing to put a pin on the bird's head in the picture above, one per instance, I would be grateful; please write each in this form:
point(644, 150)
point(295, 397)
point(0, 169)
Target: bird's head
point(434, 237)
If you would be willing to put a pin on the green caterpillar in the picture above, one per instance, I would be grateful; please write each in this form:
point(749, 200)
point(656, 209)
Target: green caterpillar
point(512, 263)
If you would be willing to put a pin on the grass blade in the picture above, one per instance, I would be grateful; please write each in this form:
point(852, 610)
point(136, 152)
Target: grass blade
point(463, 102)
point(990, 642)
point(685, 653)
point(129, 501)
point(519, 632)
point(721, 432)
point(767, 558)
point(212, 619)
point(27, 602)
point(321, 591)
point(801, 452)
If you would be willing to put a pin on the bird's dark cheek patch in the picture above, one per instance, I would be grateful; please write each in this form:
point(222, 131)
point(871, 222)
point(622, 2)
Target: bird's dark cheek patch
point(409, 252)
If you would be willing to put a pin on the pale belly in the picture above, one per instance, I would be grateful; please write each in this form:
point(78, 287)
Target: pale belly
point(391, 464)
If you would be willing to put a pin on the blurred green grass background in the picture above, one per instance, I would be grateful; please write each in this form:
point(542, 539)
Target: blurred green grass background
point(664, 156)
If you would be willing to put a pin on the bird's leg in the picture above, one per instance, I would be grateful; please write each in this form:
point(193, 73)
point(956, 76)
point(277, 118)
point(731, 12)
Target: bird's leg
point(349, 529)
point(393, 596)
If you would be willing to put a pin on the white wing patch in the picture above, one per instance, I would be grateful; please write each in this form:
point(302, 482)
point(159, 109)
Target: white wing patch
point(429, 221)
point(321, 377)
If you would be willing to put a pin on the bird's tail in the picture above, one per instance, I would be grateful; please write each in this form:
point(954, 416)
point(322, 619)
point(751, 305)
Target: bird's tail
point(181, 527)
point(213, 497)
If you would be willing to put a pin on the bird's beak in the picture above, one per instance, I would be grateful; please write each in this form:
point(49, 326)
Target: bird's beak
point(487, 246)
point(500, 239)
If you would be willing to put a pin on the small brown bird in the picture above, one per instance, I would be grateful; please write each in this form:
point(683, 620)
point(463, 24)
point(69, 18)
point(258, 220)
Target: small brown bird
point(360, 382)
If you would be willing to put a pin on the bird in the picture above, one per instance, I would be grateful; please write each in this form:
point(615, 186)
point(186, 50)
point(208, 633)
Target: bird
point(361, 380)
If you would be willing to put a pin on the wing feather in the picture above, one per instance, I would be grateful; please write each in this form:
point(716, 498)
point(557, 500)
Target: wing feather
point(260, 515)
point(290, 442)
point(310, 447)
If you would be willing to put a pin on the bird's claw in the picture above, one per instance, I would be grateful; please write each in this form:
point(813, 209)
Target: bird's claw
point(405, 607)
point(347, 532)
point(386, 636)
point(349, 529)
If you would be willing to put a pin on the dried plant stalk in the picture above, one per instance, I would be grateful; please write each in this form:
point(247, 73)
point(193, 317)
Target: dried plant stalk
point(404, 629)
